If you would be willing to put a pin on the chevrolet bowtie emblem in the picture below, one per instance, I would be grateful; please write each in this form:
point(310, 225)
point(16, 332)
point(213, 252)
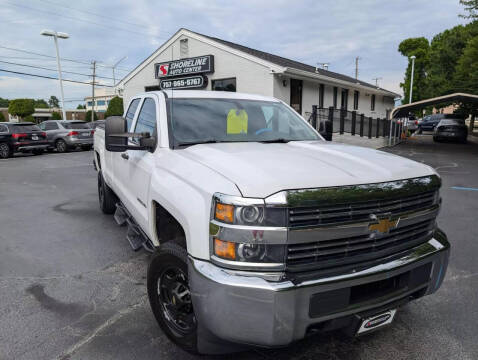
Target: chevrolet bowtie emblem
point(383, 225)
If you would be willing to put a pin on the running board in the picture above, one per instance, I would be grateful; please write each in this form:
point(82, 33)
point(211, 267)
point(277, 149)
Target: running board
point(135, 236)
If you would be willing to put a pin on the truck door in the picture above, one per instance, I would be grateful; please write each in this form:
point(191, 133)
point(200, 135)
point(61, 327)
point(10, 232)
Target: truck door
point(119, 160)
point(141, 163)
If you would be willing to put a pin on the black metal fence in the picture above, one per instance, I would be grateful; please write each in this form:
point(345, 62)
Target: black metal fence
point(329, 120)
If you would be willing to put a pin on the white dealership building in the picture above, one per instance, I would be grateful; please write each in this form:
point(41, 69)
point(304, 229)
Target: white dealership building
point(192, 60)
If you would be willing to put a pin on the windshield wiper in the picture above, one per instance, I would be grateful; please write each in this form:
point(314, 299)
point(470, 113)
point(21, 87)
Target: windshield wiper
point(190, 143)
point(279, 140)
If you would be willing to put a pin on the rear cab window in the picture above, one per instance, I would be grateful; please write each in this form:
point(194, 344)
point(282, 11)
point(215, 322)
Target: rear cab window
point(3, 129)
point(75, 125)
point(21, 128)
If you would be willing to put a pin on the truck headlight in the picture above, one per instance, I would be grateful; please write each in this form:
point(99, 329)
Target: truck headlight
point(246, 234)
point(252, 253)
point(246, 211)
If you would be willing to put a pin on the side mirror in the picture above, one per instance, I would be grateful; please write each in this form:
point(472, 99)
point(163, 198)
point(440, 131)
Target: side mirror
point(116, 136)
point(115, 125)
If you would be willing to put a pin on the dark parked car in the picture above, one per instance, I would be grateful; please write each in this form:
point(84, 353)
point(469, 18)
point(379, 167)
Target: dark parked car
point(21, 137)
point(451, 129)
point(429, 122)
point(64, 135)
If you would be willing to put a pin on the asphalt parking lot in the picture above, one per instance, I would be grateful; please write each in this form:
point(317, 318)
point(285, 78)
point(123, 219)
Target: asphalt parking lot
point(71, 288)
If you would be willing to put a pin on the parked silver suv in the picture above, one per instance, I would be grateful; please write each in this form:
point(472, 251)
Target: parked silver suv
point(64, 135)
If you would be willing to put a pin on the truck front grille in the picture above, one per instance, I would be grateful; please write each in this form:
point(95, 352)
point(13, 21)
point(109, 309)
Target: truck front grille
point(354, 250)
point(355, 212)
point(334, 228)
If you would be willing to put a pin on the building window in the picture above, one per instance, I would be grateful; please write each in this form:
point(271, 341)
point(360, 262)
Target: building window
point(372, 103)
point(152, 88)
point(89, 103)
point(100, 102)
point(335, 96)
point(183, 48)
point(356, 99)
point(321, 96)
point(345, 99)
point(224, 85)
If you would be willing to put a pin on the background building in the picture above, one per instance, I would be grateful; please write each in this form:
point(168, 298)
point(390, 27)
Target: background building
point(102, 99)
point(239, 68)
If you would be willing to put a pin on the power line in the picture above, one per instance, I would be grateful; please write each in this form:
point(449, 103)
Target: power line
point(92, 13)
point(53, 57)
point(78, 19)
point(51, 77)
point(49, 69)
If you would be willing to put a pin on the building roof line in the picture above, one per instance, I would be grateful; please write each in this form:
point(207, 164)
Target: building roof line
point(265, 58)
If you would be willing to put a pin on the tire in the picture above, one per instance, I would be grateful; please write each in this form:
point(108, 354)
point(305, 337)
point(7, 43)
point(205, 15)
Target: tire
point(5, 151)
point(86, 147)
point(168, 276)
point(61, 146)
point(106, 196)
point(37, 151)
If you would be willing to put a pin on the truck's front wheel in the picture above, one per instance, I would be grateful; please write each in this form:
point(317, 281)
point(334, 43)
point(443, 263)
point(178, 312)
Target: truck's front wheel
point(170, 297)
point(106, 196)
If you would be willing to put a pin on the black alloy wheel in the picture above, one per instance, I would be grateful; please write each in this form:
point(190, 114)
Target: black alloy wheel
point(5, 152)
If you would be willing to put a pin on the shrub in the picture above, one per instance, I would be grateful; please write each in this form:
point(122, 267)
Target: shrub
point(88, 116)
point(55, 115)
point(29, 118)
point(115, 107)
point(2, 118)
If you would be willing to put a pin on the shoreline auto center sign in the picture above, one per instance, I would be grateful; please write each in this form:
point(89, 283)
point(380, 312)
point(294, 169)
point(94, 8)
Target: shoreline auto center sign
point(172, 74)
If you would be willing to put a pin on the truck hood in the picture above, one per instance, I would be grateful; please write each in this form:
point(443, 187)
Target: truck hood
point(259, 169)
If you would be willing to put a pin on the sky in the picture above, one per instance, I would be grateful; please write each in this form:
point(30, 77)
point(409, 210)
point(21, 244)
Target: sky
point(310, 31)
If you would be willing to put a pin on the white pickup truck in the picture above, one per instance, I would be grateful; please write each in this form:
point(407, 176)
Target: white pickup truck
point(262, 232)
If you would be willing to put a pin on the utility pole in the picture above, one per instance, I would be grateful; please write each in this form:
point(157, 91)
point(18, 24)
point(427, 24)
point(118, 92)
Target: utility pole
point(356, 67)
point(376, 80)
point(93, 92)
point(413, 57)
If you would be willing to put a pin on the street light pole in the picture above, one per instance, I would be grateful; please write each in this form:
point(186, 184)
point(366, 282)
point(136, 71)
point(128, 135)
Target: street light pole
point(413, 57)
point(55, 36)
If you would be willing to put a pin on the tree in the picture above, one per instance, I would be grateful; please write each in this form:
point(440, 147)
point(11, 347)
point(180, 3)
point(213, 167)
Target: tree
point(471, 6)
point(53, 102)
point(2, 118)
point(115, 107)
point(3, 102)
point(41, 104)
point(55, 115)
point(445, 51)
point(466, 77)
point(88, 116)
point(420, 48)
point(81, 106)
point(21, 107)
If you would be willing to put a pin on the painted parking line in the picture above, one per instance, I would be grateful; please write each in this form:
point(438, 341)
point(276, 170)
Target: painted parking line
point(464, 188)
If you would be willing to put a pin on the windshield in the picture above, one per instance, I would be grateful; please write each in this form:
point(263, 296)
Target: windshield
point(75, 125)
point(230, 120)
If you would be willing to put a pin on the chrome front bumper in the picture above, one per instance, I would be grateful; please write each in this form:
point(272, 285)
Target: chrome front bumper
point(242, 307)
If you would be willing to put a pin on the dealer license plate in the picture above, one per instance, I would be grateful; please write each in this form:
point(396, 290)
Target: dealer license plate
point(376, 321)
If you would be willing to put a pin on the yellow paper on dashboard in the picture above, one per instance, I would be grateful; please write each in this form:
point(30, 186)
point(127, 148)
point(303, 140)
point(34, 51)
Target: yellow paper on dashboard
point(236, 122)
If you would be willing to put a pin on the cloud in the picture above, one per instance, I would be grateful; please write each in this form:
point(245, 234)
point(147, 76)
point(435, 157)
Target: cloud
point(334, 31)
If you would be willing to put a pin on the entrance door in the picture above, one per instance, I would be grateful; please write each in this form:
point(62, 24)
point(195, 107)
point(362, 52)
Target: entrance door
point(296, 95)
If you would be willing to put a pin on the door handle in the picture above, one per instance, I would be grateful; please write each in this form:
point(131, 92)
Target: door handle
point(125, 156)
